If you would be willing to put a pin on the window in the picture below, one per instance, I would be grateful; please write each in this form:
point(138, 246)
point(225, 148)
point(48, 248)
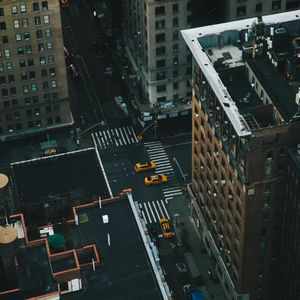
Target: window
point(161, 63)
point(6, 104)
point(241, 11)
point(37, 21)
point(276, 4)
point(28, 49)
point(41, 47)
point(1, 11)
point(31, 75)
point(175, 86)
point(159, 10)
point(49, 46)
point(175, 22)
point(52, 72)
point(45, 85)
point(2, 79)
point(24, 76)
point(53, 84)
point(26, 36)
point(46, 19)
point(175, 35)
point(175, 73)
point(2, 26)
point(50, 121)
point(175, 8)
point(18, 37)
point(35, 6)
point(175, 48)
point(4, 39)
point(57, 119)
point(9, 66)
point(30, 62)
point(6, 53)
point(160, 51)
point(35, 99)
point(43, 60)
point(16, 24)
point(160, 37)
point(14, 102)
point(8, 117)
point(161, 76)
point(30, 124)
point(189, 19)
point(13, 91)
point(22, 63)
point(4, 92)
point(11, 78)
point(161, 99)
point(175, 60)
point(25, 23)
point(14, 9)
point(160, 24)
point(44, 5)
point(50, 59)
point(18, 126)
point(1, 67)
point(33, 87)
point(23, 8)
point(39, 34)
point(258, 7)
point(161, 88)
point(43, 72)
point(25, 89)
point(47, 33)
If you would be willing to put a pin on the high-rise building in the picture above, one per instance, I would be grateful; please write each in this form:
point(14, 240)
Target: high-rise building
point(34, 93)
point(246, 116)
point(159, 55)
point(238, 9)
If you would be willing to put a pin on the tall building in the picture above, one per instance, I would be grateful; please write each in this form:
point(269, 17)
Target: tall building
point(238, 9)
point(245, 114)
point(290, 255)
point(34, 93)
point(159, 55)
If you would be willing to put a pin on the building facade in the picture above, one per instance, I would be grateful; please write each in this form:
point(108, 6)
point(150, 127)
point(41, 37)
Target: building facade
point(290, 259)
point(245, 111)
point(158, 53)
point(34, 92)
point(234, 10)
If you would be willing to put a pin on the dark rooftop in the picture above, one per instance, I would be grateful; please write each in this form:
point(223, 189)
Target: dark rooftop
point(34, 271)
point(60, 181)
point(125, 271)
point(281, 90)
point(239, 88)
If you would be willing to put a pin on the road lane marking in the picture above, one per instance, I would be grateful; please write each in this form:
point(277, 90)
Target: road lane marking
point(172, 191)
point(165, 210)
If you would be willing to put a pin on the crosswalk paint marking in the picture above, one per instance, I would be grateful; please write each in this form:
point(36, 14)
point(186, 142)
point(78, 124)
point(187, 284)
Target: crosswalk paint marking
point(157, 152)
point(134, 135)
point(130, 134)
point(159, 207)
point(151, 143)
point(156, 147)
point(165, 210)
point(175, 194)
point(163, 164)
point(120, 141)
point(151, 210)
point(146, 209)
point(125, 133)
point(156, 210)
point(122, 136)
point(172, 191)
point(169, 198)
point(144, 217)
point(171, 188)
point(164, 169)
point(157, 156)
point(163, 159)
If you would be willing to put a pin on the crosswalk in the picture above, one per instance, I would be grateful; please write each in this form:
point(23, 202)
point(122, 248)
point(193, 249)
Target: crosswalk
point(152, 211)
point(114, 137)
point(157, 153)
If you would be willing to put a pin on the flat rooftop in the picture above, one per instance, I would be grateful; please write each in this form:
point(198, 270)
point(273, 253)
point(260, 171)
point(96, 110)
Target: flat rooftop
point(125, 270)
point(63, 180)
point(225, 48)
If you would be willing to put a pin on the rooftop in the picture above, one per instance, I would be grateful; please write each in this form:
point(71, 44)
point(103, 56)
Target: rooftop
point(56, 183)
point(269, 48)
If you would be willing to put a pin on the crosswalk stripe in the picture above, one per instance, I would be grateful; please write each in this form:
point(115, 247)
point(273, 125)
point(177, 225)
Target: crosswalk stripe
point(163, 159)
point(125, 133)
point(157, 156)
point(161, 170)
point(144, 217)
point(151, 143)
point(159, 207)
point(175, 194)
point(130, 134)
point(120, 129)
point(165, 210)
point(156, 151)
point(163, 164)
point(156, 210)
point(146, 209)
point(134, 135)
point(172, 191)
point(156, 147)
point(151, 210)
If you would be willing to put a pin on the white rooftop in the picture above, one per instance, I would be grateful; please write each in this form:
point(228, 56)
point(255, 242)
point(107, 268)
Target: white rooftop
point(205, 61)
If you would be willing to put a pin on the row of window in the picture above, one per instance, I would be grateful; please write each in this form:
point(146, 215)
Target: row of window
point(161, 37)
point(276, 5)
point(31, 124)
point(25, 36)
point(22, 8)
point(27, 88)
point(24, 22)
point(161, 10)
point(27, 75)
point(29, 63)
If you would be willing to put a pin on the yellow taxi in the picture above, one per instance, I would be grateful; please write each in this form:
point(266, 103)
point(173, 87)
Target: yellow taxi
point(139, 167)
point(165, 227)
point(155, 179)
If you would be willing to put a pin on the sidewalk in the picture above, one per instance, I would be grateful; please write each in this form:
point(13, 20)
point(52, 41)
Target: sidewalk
point(187, 234)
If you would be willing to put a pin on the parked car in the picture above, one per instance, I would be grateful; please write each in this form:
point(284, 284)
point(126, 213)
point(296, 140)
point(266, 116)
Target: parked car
point(165, 227)
point(155, 179)
point(139, 167)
